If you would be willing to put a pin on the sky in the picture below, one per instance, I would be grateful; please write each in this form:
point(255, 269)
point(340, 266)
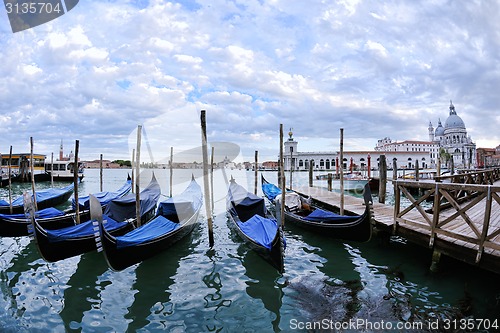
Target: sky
point(374, 68)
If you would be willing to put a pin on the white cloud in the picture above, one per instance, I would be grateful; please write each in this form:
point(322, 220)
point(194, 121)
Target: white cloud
point(376, 69)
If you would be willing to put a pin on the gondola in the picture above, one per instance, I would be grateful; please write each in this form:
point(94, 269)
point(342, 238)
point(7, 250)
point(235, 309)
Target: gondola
point(59, 244)
point(321, 218)
point(255, 225)
point(45, 198)
point(175, 218)
point(14, 225)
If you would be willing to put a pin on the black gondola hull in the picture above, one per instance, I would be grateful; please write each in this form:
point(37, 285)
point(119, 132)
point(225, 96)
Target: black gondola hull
point(121, 258)
point(359, 229)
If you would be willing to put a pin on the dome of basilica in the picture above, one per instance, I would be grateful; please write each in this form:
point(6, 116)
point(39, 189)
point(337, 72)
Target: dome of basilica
point(453, 121)
point(439, 129)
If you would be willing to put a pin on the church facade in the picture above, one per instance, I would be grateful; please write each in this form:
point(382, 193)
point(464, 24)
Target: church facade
point(450, 141)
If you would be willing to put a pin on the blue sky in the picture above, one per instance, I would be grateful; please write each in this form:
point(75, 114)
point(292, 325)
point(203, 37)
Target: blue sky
point(375, 68)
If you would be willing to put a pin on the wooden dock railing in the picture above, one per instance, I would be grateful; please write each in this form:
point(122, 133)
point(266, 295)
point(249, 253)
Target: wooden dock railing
point(473, 223)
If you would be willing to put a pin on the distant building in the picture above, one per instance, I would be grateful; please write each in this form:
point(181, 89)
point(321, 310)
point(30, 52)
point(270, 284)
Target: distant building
point(454, 140)
point(106, 164)
point(451, 139)
point(352, 160)
point(488, 157)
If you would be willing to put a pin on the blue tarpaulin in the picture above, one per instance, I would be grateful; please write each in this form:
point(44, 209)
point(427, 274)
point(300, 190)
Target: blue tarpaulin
point(153, 229)
point(84, 229)
point(271, 190)
point(104, 197)
point(123, 208)
point(41, 214)
point(320, 215)
point(260, 229)
point(41, 195)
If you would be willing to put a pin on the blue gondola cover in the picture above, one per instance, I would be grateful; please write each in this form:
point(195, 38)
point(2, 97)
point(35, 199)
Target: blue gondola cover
point(271, 191)
point(123, 208)
point(320, 215)
point(157, 227)
point(41, 214)
point(104, 197)
point(81, 230)
point(41, 195)
point(260, 229)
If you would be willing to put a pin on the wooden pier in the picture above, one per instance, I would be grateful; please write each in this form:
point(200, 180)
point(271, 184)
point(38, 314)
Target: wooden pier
point(463, 221)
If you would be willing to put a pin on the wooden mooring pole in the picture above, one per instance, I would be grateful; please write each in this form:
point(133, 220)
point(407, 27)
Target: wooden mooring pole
point(100, 172)
point(171, 169)
point(341, 171)
point(32, 167)
point(75, 182)
point(311, 169)
point(10, 180)
point(256, 173)
point(205, 177)
point(137, 177)
point(282, 181)
point(383, 179)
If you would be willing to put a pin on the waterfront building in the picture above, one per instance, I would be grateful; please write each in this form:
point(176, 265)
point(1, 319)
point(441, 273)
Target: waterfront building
point(352, 160)
point(448, 141)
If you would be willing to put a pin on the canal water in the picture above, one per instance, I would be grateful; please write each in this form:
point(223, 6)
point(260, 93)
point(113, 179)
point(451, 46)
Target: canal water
point(328, 285)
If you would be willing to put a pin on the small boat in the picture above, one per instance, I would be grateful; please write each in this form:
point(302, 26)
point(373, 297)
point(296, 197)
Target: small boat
point(50, 197)
point(176, 218)
point(352, 181)
point(310, 214)
point(59, 244)
point(255, 225)
point(14, 225)
point(63, 170)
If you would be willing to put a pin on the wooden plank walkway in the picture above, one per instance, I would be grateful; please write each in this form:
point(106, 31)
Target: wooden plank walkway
point(455, 234)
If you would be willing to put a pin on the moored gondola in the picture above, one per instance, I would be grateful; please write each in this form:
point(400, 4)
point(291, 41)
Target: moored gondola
point(321, 218)
point(176, 218)
point(14, 225)
point(62, 243)
point(255, 225)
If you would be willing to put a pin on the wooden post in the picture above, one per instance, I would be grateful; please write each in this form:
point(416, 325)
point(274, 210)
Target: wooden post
point(291, 168)
point(212, 177)
point(394, 169)
point(171, 169)
point(341, 171)
point(282, 183)
point(75, 182)
point(330, 176)
point(369, 165)
point(133, 166)
point(383, 179)
point(417, 173)
point(311, 167)
point(33, 174)
point(439, 166)
point(205, 177)
point(52, 170)
point(10, 180)
point(137, 177)
point(256, 173)
point(100, 172)
point(436, 256)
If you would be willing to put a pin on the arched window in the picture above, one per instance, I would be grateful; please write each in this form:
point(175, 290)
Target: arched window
point(321, 163)
point(327, 164)
point(301, 163)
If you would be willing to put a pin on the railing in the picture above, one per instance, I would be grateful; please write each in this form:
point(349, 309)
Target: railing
point(485, 177)
point(475, 221)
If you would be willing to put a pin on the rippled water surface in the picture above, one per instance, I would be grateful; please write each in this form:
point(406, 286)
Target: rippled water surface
point(192, 288)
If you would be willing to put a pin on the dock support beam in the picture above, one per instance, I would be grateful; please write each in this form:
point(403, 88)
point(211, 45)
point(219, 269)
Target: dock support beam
point(436, 257)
